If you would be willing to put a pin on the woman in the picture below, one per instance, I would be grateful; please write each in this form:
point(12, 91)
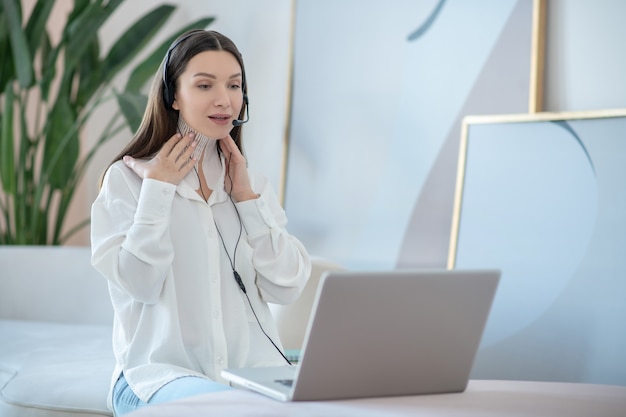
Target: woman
point(192, 245)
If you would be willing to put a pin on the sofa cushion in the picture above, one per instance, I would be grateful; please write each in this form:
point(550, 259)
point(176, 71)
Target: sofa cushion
point(54, 369)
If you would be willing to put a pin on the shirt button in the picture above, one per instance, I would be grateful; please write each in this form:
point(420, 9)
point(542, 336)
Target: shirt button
point(220, 360)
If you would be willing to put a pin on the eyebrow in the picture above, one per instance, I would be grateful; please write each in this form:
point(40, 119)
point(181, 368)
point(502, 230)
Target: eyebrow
point(204, 74)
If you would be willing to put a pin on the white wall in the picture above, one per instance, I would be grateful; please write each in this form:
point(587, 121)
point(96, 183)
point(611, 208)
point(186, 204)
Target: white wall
point(585, 55)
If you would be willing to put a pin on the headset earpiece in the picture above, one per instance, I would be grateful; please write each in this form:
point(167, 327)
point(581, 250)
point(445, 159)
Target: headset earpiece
point(168, 88)
point(168, 94)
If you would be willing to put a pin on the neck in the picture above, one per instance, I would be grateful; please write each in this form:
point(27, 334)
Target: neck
point(202, 140)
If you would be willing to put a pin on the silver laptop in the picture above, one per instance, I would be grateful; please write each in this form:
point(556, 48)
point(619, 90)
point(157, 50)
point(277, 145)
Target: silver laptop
point(374, 334)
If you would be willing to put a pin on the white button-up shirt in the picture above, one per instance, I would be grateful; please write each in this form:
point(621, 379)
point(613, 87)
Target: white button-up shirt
point(178, 309)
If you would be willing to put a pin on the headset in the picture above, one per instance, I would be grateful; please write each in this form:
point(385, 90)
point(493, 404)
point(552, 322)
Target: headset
point(169, 89)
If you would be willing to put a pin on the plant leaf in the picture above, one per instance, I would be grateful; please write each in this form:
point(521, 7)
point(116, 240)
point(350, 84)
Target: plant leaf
point(25, 177)
point(83, 29)
point(79, 7)
point(134, 40)
point(7, 167)
point(48, 70)
point(145, 70)
point(19, 45)
point(36, 26)
point(7, 67)
point(90, 74)
point(132, 106)
point(62, 145)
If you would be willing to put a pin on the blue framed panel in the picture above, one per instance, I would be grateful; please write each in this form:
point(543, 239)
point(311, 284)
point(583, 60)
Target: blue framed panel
point(543, 198)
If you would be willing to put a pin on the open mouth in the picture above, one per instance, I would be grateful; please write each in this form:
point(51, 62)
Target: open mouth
point(220, 117)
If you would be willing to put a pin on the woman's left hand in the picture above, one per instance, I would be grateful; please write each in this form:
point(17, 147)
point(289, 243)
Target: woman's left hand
point(237, 182)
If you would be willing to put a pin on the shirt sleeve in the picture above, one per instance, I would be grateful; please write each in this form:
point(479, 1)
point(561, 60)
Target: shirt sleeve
point(282, 263)
point(130, 238)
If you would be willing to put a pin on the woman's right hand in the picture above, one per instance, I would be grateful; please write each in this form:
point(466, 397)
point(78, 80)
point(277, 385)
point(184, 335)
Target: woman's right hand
point(171, 164)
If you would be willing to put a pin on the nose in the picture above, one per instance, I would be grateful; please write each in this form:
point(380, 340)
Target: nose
point(221, 98)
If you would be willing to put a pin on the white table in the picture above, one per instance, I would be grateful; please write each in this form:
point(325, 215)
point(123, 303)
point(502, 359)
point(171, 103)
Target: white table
point(482, 398)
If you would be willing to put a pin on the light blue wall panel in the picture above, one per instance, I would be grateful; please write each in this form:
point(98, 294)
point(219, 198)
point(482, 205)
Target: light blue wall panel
point(379, 91)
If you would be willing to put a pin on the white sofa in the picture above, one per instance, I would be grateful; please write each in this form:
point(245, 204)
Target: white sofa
point(292, 319)
point(55, 331)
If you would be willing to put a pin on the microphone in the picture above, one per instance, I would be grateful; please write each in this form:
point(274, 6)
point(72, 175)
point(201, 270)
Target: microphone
point(239, 122)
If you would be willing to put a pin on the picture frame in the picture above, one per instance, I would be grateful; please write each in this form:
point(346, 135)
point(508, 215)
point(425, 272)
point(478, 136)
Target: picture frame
point(542, 197)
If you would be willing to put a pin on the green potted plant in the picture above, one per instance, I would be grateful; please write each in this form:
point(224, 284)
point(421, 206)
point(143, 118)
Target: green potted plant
point(48, 92)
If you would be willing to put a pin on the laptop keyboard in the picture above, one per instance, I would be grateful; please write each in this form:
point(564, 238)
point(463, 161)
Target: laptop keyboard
point(285, 382)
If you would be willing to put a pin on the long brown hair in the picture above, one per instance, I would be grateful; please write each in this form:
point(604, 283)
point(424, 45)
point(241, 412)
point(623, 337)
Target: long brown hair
point(160, 120)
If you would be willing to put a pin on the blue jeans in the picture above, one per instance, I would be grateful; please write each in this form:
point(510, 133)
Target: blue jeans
point(125, 400)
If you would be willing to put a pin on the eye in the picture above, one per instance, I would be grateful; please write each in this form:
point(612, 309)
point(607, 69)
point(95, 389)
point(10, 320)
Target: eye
point(235, 86)
point(204, 86)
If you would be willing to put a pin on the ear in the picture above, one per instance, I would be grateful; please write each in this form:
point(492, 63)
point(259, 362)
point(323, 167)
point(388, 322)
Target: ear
point(175, 104)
